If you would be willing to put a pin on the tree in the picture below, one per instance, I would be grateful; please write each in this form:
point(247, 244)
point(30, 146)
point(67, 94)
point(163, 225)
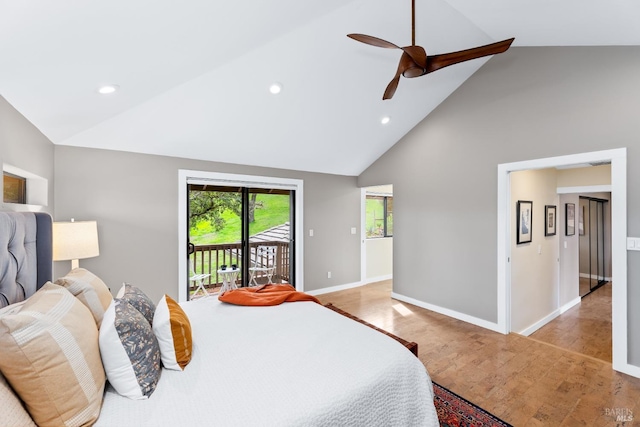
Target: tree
point(252, 207)
point(210, 205)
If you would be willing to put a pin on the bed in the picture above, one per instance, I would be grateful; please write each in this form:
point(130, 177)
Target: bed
point(295, 364)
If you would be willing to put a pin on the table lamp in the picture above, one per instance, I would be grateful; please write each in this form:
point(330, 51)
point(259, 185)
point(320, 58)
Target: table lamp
point(75, 240)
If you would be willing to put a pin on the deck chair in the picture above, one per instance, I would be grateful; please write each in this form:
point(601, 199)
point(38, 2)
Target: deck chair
point(198, 280)
point(264, 263)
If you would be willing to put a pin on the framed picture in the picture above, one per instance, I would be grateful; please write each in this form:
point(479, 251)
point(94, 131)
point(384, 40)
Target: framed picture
point(550, 220)
point(581, 221)
point(570, 219)
point(524, 222)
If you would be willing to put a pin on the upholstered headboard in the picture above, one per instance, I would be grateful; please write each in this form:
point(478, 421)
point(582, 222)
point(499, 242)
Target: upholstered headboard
point(25, 254)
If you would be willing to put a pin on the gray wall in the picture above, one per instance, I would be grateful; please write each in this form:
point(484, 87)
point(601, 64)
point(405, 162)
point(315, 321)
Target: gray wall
point(22, 145)
point(134, 199)
point(528, 103)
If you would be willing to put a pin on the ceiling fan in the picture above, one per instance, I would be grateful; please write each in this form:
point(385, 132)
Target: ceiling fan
point(414, 61)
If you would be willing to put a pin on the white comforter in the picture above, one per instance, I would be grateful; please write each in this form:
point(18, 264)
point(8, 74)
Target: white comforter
point(297, 364)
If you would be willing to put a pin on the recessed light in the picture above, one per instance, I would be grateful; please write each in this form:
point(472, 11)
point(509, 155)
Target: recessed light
point(107, 89)
point(385, 120)
point(275, 88)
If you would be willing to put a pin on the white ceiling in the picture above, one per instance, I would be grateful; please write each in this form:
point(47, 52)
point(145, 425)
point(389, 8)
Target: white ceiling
point(194, 74)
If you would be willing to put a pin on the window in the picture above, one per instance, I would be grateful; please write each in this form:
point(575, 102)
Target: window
point(14, 188)
point(379, 216)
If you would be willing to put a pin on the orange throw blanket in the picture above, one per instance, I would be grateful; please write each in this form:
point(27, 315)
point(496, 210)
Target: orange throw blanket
point(265, 295)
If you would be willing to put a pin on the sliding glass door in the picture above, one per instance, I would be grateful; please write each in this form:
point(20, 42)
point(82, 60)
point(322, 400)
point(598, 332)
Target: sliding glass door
point(270, 223)
point(248, 231)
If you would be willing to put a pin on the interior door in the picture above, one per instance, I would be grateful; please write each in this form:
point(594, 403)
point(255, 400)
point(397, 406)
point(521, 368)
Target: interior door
point(596, 243)
point(592, 244)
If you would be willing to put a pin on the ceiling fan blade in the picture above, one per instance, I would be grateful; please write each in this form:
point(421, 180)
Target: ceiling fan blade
point(435, 62)
point(373, 41)
point(391, 88)
point(405, 62)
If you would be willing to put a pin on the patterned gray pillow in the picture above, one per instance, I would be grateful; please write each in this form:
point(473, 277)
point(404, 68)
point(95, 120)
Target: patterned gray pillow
point(139, 300)
point(124, 327)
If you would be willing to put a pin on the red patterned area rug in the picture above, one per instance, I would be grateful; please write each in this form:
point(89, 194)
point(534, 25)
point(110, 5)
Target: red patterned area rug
point(456, 411)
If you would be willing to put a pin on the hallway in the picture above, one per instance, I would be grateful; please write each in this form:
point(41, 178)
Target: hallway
point(585, 328)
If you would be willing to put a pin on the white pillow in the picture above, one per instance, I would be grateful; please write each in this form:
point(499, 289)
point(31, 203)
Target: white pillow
point(129, 350)
point(173, 331)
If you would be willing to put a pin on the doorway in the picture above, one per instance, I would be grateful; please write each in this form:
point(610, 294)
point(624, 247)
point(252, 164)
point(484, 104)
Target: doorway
point(592, 226)
point(377, 239)
point(618, 188)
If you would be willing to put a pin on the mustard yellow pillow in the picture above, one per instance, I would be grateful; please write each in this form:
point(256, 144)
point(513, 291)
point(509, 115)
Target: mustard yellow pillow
point(173, 331)
point(49, 354)
point(89, 289)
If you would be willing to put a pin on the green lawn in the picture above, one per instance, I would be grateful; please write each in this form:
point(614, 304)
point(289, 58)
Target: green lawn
point(271, 210)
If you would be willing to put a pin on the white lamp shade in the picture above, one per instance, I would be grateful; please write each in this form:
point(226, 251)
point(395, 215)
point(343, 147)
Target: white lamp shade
point(75, 240)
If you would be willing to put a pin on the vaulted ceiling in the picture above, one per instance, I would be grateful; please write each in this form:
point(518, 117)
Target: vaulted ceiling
point(194, 75)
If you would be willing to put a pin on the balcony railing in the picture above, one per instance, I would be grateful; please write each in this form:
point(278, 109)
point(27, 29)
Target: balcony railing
point(208, 259)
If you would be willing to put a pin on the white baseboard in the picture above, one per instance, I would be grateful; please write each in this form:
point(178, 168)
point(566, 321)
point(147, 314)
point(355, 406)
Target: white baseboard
point(589, 276)
point(335, 288)
point(570, 304)
point(548, 318)
point(540, 323)
point(377, 279)
point(628, 369)
point(447, 312)
point(350, 285)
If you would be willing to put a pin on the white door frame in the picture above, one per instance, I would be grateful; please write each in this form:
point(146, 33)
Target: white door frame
point(618, 159)
point(363, 235)
point(186, 176)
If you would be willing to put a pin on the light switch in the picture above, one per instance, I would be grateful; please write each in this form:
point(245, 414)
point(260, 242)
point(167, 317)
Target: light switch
point(633, 243)
point(353, 230)
point(310, 232)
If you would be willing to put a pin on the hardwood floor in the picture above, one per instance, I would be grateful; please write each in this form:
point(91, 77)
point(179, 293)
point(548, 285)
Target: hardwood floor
point(585, 328)
point(521, 380)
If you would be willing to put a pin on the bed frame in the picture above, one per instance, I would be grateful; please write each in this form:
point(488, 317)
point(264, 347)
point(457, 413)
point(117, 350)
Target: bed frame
point(410, 345)
point(25, 254)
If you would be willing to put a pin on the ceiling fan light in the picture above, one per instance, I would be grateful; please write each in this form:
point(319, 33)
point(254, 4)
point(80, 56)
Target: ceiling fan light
point(275, 88)
point(414, 72)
